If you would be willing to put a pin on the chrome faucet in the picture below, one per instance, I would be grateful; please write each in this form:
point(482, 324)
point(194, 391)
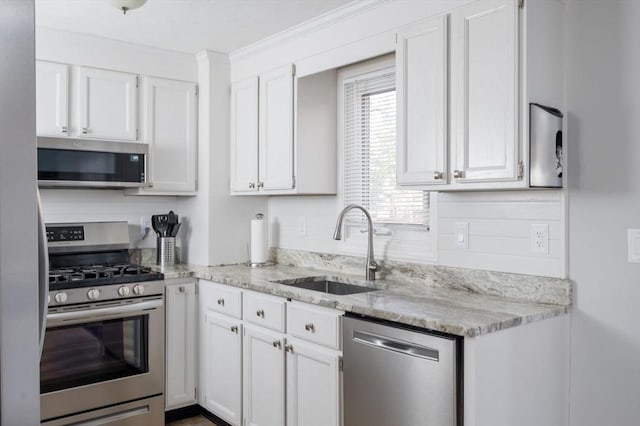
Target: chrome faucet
point(372, 266)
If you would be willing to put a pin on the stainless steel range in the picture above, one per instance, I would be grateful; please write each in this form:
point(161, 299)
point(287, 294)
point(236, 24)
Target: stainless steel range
point(103, 356)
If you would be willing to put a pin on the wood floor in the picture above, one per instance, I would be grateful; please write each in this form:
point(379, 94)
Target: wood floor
point(192, 421)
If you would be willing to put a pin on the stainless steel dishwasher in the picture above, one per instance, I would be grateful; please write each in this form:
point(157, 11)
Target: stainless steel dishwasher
point(395, 376)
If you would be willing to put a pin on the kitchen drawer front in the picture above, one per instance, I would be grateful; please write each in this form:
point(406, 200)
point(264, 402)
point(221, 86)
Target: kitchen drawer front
point(265, 311)
point(314, 324)
point(225, 299)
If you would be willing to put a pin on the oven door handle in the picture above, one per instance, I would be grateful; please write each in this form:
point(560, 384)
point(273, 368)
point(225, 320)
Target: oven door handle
point(100, 314)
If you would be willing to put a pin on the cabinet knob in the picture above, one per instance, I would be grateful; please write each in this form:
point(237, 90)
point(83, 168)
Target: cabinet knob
point(64, 129)
point(221, 302)
point(85, 130)
point(181, 289)
point(277, 344)
point(458, 174)
point(234, 328)
point(437, 175)
point(260, 313)
point(252, 185)
point(260, 184)
point(288, 348)
point(310, 328)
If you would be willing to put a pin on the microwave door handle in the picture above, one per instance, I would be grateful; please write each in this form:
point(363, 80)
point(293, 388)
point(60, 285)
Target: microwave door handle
point(43, 271)
point(101, 314)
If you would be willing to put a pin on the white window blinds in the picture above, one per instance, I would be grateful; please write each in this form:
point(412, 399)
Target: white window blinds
point(369, 174)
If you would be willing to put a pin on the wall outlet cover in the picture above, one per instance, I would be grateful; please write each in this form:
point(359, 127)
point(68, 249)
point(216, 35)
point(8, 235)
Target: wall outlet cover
point(461, 235)
point(633, 245)
point(540, 238)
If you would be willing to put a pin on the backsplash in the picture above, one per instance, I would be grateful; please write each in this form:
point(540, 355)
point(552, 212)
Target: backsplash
point(515, 286)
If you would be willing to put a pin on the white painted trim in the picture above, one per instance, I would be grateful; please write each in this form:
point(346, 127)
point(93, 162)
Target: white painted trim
point(349, 10)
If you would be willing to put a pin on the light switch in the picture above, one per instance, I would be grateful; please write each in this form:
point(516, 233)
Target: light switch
point(461, 235)
point(633, 242)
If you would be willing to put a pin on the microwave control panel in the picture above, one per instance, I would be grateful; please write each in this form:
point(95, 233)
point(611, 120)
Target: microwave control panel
point(65, 233)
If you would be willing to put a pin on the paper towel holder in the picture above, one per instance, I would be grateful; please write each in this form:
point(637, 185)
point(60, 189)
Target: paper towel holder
point(266, 263)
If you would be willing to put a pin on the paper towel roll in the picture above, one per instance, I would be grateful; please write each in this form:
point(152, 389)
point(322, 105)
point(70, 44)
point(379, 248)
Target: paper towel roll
point(258, 239)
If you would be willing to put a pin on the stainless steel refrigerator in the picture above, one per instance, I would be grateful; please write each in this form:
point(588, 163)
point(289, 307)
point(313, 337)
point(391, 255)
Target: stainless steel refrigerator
point(20, 318)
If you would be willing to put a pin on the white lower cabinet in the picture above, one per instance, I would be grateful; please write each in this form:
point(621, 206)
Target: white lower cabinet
point(180, 315)
point(271, 362)
point(313, 385)
point(264, 377)
point(222, 348)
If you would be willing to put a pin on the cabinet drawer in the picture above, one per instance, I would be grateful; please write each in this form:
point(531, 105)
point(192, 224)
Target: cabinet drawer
point(314, 324)
point(265, 311)
point(224, 299)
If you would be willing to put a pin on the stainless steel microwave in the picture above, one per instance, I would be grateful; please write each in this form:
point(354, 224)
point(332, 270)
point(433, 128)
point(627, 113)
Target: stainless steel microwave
point(84, 163)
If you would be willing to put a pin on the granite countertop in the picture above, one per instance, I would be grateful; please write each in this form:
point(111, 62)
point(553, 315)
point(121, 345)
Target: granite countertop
point(441, 308)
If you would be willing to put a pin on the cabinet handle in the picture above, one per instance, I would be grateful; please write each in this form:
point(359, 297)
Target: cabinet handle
point(310, 327)
point(181, 289)
point(288, 348)
point(64, 129)
point(85, 130)
point(234, 328)
point(252, 185)
point(260, 313)
point(437, 175)
point(221, 302)
point(277, 344)
point(458, 174)
point(260, 184)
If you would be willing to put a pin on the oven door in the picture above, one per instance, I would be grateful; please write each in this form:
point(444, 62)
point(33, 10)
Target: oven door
point(102, 355)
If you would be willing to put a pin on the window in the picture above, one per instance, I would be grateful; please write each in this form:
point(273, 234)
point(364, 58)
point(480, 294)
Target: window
point(369, 154)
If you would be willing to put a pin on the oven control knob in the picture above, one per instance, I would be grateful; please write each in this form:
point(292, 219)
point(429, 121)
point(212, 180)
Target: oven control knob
point(123, 291)
point(138, 289)
point(60, 297)
point(93, 294)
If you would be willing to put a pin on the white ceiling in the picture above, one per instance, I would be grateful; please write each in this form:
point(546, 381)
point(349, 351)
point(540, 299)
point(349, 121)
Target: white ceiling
point(182, 25)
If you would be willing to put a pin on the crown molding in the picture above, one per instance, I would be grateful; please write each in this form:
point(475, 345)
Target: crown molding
point(349, 10)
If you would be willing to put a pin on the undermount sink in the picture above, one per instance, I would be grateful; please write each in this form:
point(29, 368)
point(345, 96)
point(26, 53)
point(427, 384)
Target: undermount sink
point(325, 285)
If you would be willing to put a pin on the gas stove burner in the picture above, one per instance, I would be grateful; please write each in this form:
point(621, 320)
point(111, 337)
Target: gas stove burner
point(96, 275)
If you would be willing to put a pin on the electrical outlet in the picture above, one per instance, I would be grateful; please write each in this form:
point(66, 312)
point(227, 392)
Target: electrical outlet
point(540, 238)
point(302, 226)
point(145, 222)
point(461, 235)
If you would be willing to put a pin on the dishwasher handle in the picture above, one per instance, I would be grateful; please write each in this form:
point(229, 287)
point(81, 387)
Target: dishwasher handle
point(398, 346)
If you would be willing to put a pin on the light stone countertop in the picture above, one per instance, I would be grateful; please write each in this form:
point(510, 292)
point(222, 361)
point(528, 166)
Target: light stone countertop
point(440, 308)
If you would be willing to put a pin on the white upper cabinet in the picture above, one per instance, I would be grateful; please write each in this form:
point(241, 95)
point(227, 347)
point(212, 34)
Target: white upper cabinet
point(170, 129)
point(484, 92)
point(422, 102)
point(52, 99)
point(244, 135)
point(276, 129)
point(108, 104)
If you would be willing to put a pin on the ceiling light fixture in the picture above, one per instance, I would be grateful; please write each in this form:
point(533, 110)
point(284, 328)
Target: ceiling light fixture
point(126, 5)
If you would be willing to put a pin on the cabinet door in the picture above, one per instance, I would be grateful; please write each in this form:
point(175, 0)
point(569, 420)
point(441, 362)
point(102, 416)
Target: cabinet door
point(180, 313)
point(421, 76)
point(276, 129)
point(52, 99)
point(263, 377)
point(222, 340)
point(108, 104)
point(170, 111)
point(485, 91)
point(244, 135)
point(313, 385)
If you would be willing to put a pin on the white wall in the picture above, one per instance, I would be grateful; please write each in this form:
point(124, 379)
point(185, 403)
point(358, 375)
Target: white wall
point(499, 223)
point(604, 200)
point(65, 205)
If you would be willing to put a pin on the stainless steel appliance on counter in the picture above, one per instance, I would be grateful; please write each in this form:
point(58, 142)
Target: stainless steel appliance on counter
point(398, 376)
point(103, 355)
point(66, 162)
